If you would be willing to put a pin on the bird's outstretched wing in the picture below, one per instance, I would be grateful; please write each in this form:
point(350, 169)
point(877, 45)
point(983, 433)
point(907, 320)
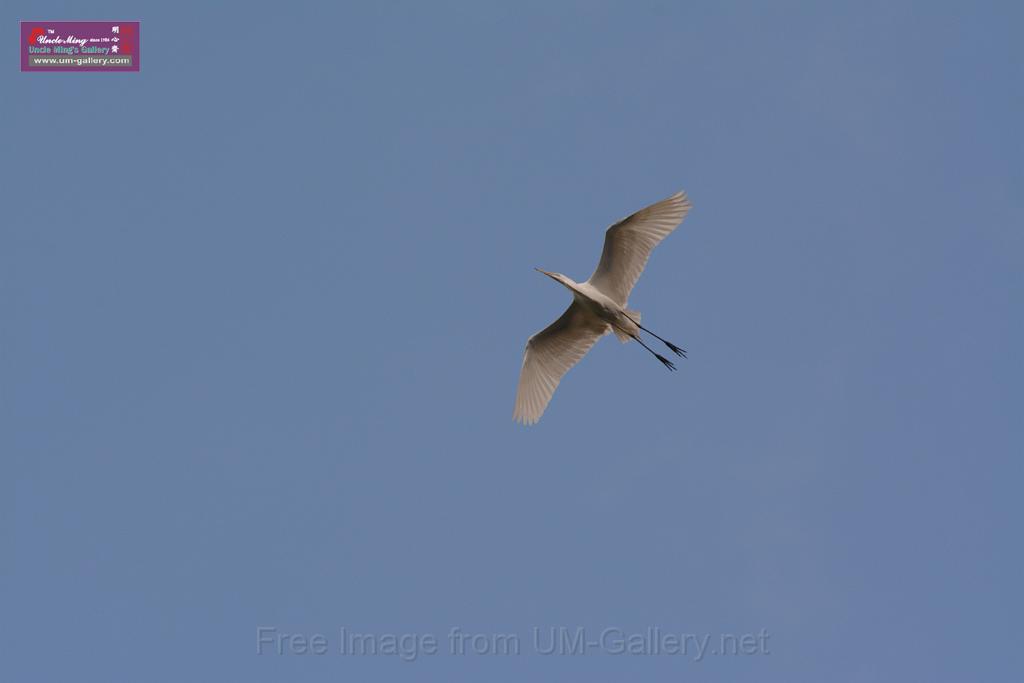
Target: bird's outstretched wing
point(629, 243)
point(549, 355)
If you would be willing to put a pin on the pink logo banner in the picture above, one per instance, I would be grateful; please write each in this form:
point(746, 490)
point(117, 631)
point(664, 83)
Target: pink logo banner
point(80, 46)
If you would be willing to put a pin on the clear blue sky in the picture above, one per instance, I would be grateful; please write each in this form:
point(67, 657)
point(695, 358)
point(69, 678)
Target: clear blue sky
point(264, 304)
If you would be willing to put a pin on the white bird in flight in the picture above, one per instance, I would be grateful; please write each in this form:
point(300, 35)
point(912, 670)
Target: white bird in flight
point(598, 306)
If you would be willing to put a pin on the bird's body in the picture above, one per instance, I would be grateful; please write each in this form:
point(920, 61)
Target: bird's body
point(598, 307)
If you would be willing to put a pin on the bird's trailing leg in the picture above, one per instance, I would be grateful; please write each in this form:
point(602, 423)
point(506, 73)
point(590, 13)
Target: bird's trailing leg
point(665, 361)
point(672, 347)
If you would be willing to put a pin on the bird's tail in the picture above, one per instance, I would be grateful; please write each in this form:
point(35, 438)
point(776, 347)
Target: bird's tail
point(625, 336)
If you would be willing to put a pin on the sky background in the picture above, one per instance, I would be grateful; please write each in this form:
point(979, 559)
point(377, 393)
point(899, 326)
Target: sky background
point(263, 307)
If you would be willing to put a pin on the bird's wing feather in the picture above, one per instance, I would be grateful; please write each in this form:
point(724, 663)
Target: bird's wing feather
point(549, 355)
point(629, 243)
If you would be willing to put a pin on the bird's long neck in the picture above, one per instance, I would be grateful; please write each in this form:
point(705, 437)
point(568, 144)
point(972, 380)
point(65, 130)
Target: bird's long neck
point(570, 284)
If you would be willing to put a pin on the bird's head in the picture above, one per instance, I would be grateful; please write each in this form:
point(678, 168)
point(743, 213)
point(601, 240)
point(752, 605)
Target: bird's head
point(557, 277)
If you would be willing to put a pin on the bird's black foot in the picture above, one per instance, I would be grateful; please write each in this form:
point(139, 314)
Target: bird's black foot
point(675, 349)
point(665, 361)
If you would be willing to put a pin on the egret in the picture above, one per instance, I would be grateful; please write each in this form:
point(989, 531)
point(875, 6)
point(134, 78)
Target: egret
point(599, 306)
